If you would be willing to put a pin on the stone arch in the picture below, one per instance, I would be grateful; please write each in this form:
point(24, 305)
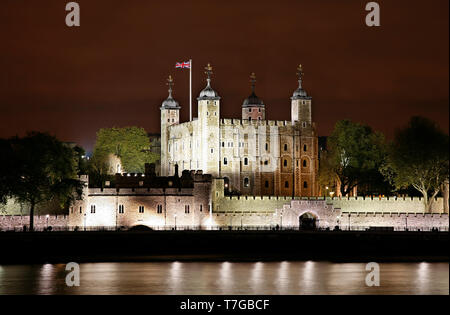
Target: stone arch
point(308, 220)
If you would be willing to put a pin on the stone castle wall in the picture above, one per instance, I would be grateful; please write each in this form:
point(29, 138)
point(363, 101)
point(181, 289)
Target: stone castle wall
point(17, 222)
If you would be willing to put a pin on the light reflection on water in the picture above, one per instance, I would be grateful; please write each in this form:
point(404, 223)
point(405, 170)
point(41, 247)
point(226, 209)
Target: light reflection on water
point(226, 278)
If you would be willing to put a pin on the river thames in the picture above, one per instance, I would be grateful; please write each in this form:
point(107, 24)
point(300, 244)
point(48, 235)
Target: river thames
point(241, 278)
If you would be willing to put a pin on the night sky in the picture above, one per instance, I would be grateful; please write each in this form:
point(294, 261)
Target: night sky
point(111, 71)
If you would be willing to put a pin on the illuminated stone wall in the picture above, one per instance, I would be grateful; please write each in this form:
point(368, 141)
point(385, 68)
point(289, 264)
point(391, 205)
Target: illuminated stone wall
point(16, 222)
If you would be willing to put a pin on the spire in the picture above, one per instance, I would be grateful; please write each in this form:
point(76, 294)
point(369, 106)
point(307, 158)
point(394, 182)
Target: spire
point(300, 93)
point(170, 84)
point(253, 81)
point(170, 102)
point(208, 92)
point(208, 72)
point(300, 75)
point(253, 100)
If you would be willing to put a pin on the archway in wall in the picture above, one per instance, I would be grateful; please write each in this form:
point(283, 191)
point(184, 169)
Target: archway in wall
point(308, 221)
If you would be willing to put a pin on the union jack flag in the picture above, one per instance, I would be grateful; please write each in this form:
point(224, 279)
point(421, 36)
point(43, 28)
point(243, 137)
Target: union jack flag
point(186, 64)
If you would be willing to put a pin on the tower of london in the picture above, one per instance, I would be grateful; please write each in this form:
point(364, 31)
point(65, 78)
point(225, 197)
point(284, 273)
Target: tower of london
point(253, 155)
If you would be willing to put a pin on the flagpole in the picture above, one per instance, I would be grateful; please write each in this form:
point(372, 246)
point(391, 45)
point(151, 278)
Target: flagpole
point(190, 90)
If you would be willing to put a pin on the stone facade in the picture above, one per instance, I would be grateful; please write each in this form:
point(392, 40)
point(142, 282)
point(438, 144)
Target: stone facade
point(255, 156)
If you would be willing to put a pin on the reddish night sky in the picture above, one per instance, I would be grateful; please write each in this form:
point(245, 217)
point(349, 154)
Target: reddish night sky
point(111, 71)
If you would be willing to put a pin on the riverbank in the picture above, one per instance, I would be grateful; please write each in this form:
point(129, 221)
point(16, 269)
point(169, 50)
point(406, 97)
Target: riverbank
point(349, 246)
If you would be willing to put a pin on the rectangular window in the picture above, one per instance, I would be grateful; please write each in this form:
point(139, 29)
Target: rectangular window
point(121, 209)
point(245, 161)
point(225, 161)
point(186, 209)
point(286, 184)
point(201, 208)
point(212, 150)
point(159, 209)
point(141, 209)
point(92, 208)
point(81, 210)
point(266, 184)
point(246, 182)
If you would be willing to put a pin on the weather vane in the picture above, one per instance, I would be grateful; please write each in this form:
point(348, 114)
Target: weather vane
point(253, 80)
point(208, 71)
point(300, 70)
point(170, 83)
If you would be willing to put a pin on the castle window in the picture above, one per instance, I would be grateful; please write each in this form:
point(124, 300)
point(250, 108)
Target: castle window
point(141, 209)
point(285, 163)
point(285, 147)
point(266, 162)
point(259, 110)
point(246, 182)
point(259, 118)
point(201, 208)
point(266, 184)
point(212, 150)
point(225, 161)
point(71, 209)
point(223, 144)
point(304, 124)
point(81, 210)
point(305, 148)
point(297, 163)
point(267, 147)
point(173, 120)
point(215, 113)
point(305, 184)
point(159, 209)
point(249, 110)
point(92, 208)
point(286, 184)
point(121, 209)
point(168, 120)
point(304, 163)
point(249, 118)
point(186, 209)
point(245, 161)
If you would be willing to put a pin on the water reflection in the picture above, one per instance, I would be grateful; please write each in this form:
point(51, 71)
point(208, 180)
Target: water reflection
point(226, 278)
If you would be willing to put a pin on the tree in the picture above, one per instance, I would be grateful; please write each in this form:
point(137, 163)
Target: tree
point(355, 153)
point(419, 157)
point(41, 169)
point(131, 144)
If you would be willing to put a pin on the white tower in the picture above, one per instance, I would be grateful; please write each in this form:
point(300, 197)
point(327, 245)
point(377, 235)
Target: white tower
point(208, 120)
point(170, 115)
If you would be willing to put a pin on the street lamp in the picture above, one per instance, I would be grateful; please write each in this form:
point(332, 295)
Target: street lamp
point(175, 216)
point(281, 222)
point(47, 216)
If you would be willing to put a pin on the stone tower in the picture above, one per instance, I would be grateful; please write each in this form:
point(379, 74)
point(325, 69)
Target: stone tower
point(305, 141)
point(301, 103)
point(208, 125)
point(253, 108)
point(170, 115)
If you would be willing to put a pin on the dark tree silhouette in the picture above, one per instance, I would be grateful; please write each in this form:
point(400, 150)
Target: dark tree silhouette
point(38, 168)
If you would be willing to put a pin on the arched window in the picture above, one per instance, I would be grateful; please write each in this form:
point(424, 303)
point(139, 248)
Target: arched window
point(305, 184)
point(285, 147)
point(267, 147)
point(266, 184)
point(285, 163)
point(305, 148)
point(249, 118)
point(286, 184)
point(245, 161)
point(304, 163)
point(246, 182)
point(225, 161)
